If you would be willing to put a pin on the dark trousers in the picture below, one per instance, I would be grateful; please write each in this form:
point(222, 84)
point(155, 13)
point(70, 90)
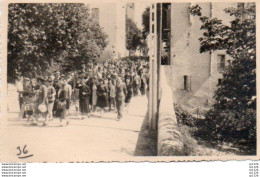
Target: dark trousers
point(120, 107)
point(54, 110)
point(112, 101)
point(61, 113)
point(136, 90)
point(84, 105)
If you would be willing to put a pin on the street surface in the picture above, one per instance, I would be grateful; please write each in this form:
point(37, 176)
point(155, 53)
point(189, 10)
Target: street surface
point(96, 138)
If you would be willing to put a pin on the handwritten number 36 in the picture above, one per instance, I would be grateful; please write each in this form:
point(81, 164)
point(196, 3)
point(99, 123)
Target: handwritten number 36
point(23, 153)
point(20, 151)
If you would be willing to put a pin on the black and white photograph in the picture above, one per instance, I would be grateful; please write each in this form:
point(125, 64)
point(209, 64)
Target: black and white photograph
point(129, 81)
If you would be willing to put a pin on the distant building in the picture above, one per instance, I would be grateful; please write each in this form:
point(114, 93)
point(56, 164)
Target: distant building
point(110, 17)
point(193, 76)
point(95, 14)
point(130, 11)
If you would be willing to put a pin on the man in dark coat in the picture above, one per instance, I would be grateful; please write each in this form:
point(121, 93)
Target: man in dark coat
point(84, 94)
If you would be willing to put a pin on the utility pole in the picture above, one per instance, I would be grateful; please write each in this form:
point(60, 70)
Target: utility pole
point(154, 44)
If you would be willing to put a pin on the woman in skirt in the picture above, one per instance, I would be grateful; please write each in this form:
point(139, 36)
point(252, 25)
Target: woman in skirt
point(102, 96)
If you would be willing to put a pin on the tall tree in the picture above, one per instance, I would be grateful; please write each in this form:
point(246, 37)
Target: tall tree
point(133, 35)
point(146, 22)
point(40, 35)
point(233, 115)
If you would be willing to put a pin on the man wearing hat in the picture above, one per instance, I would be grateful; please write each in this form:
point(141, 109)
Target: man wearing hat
point(68, 89)
point(25, 96)
point(51, 93)
point(57, 75)
point(121, 92)
point(56, 85)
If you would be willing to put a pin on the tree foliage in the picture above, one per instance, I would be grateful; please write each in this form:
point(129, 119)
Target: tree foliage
point(43, 35)
point(233, 115)
point(133, 35)
point(146, 22)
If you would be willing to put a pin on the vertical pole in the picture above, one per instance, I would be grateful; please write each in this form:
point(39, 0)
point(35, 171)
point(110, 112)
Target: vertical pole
point(150, 44)
point(152, 105)
point(159, 56)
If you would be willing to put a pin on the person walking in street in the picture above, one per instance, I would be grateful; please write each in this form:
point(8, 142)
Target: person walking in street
point(75, 97)
point(112, 93)
point(94, 95)
point(56, 85)
point(61, 104)
point(143, 82)
point(102, 96)
point(129, 95)
point(68, 89)
point(84, 94)
point(90, 85)
point(26, 97)
point(41, 102)
point(121, 92)
point(136, 84)
point(51, 93)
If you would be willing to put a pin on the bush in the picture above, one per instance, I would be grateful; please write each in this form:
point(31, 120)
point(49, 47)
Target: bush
point(232, 118)
point(232, 126)
point(183, 117)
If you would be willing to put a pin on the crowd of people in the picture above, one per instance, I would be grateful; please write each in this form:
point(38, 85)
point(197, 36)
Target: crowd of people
point(96, 87)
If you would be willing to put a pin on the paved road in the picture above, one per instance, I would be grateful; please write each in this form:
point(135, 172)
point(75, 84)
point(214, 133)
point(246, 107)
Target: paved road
point(94, 139)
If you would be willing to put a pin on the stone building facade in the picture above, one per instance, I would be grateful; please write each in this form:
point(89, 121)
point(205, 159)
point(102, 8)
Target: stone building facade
point(109, 17)
point(194, 76)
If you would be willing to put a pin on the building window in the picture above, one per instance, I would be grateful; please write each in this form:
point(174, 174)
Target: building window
point(219, 81)
point(153, 16)
point(152, 28)
point(221, 63)
point(185, 82)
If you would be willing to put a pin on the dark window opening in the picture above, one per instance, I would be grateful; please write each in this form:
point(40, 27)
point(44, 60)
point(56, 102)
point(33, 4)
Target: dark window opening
point(153, 16)
point(166, 34)
point(221, 63)
point(219, 81)
point(185, 82)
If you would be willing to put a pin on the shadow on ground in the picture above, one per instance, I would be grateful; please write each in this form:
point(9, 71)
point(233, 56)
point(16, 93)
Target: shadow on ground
point(147, 140)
